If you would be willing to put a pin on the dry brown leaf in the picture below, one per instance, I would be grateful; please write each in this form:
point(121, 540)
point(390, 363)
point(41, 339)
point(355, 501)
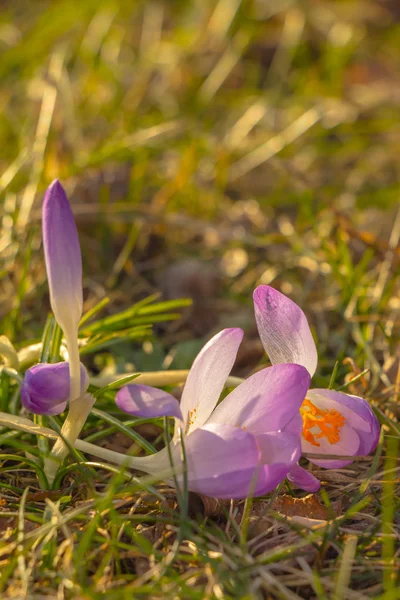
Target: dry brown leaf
point(309, 507)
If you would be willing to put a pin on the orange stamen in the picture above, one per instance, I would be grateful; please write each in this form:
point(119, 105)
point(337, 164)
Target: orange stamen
point(191, 418)
point(329, 423)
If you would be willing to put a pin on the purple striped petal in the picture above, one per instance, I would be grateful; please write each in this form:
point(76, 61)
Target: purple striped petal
point(207, 377)
point(63, 258)
point(229, 462)
point(279, 453)
point(222, 461)
point(46, 387)
point(294, 426)
point(283, 329)
point(145, 401)
point(266, 401)
point(303, 479)
point(279, 447)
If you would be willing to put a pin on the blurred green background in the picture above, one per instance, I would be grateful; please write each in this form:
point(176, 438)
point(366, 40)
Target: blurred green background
point(207, 147)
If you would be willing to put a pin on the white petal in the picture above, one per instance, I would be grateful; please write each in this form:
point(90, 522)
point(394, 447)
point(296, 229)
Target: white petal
point(207, 377)
point(347, 446)
point(283, 329)
point(332, 400)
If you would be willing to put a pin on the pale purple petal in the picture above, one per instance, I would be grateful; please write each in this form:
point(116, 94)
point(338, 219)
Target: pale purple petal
point(279, 447)
point(214, 449)
point(348, 445)
point(279, 453)
point(45, 389)
point(266, 401)
point(304, 479)
point(145, 401)
point(222, 461)
point(283, 329)
point(357, 412)
point(237, 484)
point(63, 257)
point(229, 462)
point(295, 425)
point(207, 377)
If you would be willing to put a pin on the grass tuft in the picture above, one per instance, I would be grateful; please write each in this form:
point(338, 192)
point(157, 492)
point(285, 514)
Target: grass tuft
point(207, 147)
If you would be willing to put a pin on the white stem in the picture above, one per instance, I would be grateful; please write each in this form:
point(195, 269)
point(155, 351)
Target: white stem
point(156, 378)
point(11, 373)
point(79, 411)
point(149, 464)
point(74, 366)
point(8, 353)
point(31, 354)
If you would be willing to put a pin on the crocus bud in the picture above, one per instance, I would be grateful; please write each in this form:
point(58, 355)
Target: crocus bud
point(64, 271)
point(63, 257)
point(46, 387)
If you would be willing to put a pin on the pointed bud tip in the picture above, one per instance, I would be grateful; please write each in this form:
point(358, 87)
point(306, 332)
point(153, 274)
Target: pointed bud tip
point(55, 191)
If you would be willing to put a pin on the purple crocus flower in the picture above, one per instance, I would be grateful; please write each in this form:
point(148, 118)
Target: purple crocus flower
point(238, 447)
point(46, 388)
point(64, 272)
point(331, 422)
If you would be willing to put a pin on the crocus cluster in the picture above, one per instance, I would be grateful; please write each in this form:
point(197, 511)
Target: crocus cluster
point(245, 445)
point(275, 408)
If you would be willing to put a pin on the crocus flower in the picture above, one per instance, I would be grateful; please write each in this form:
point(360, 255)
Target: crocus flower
point(238, 447)
point(64, 272)
point(46, 388)
point(333, 422)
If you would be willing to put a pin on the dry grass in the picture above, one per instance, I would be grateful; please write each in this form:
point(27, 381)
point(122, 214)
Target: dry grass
point(207, 147)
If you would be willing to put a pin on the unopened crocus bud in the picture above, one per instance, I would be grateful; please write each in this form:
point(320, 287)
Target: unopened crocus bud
point(46, 387)
point(64, 272)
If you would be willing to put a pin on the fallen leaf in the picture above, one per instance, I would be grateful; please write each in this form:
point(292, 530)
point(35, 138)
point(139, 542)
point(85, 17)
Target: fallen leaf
point(309, 507)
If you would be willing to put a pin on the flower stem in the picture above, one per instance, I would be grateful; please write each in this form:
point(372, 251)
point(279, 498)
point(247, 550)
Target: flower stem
point(147, 464)
point(79, 409)
point(29, 355)
point(78, 412)
point(74, 368)
point(155, 378)
point(8, 353)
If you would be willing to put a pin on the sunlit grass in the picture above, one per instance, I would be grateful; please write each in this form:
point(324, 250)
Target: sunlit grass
point(260, 138)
